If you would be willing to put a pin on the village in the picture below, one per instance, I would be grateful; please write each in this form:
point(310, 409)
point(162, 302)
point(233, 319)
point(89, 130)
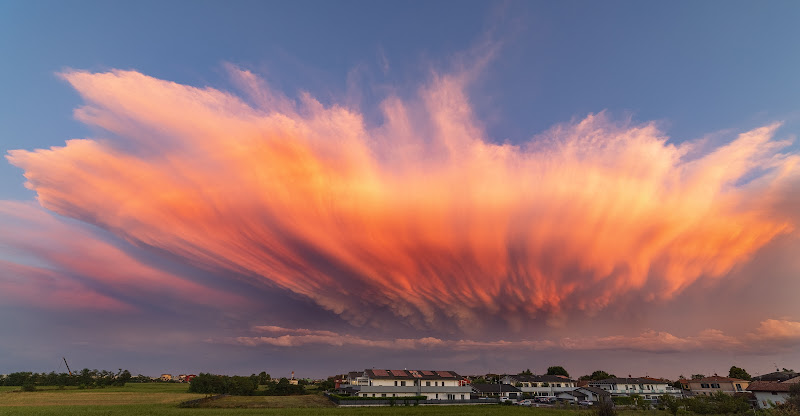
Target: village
point(549, 389)
point(385, 386)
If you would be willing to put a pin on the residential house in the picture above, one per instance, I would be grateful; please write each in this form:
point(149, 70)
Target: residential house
point(434, 385)
point(769, 393)
point(500, 391)
point(777, 376)
point(546, 385)
point(684, 383)
point(708, 386)
point(357, 378)
point(166, 377)
point(571, 396)
point(648, 387)
point(594, 394)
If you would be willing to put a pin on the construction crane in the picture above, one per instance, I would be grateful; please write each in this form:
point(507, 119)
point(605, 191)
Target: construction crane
point(65, 363)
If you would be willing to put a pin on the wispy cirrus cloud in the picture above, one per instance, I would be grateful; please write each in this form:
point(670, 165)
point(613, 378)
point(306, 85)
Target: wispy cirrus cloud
point(422, 216)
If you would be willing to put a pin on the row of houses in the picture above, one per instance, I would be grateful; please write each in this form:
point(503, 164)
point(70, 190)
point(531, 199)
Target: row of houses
point(449, 385)
point(182, 378)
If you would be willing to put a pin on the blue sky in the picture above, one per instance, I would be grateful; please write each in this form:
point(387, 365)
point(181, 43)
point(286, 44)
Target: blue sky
point(696, 69)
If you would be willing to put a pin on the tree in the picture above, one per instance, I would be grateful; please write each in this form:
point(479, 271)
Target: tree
point(263, 378)
point(794, 395)
point(605, 408)
point(740, 373)
point(697, 376)
point(526, 373)
point(557, 371)
point(672, 403)
point(597, 375)
point(123, 377)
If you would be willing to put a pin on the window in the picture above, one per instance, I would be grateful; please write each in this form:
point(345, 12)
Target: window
point(703, 385)
point(437, 395)
point(428, 383)
point(715, 385)
point(462, 397)
point(403, 383)
point(558, 385)
point(774, 393)
point(395, 382)
point(373, 394)
point(738, 387)
point(383, 394)
point(394, 395)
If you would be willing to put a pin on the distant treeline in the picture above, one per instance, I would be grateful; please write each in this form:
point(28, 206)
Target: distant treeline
point(85, 378)
point(243, 386)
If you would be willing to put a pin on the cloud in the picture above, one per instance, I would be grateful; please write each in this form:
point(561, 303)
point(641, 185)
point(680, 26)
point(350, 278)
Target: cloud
point(62, 264)
point(22, 285)
point(771, 336)
point(423, 215)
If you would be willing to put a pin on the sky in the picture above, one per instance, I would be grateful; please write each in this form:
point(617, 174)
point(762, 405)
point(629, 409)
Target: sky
point(323, 187)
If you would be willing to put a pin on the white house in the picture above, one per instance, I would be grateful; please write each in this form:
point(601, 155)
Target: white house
point(547, 386)
point(650, 388)
point(500, 391)
point(434, 385)
point(769, 393)
point(708, 386)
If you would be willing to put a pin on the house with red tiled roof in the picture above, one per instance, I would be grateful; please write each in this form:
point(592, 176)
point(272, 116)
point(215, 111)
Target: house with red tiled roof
point(769, 393)
point(708, 386)
point(433, 384)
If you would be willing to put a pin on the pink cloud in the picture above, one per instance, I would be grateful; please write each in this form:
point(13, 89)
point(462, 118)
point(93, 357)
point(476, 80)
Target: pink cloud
point(422, 216)
point(771, 336)
point(32, 286)
point(69, 257)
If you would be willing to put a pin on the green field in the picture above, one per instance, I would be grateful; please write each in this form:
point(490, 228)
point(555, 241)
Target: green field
point(163, 398)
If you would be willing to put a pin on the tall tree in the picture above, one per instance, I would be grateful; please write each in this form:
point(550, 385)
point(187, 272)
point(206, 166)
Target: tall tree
point(526, 373)
point(557, 371)
point(736, 372)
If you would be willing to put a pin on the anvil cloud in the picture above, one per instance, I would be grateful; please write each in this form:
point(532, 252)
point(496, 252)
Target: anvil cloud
point(421, 215)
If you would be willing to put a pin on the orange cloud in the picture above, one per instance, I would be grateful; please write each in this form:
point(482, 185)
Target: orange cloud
point(423, 215)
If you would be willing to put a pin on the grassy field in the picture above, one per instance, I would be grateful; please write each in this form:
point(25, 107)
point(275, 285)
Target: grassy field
point(162, 399)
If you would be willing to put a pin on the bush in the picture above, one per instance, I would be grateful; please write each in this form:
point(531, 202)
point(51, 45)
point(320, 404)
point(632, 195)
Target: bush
point(623, 401)
point(670, 403)
point(719, 403)
point(214, 384)
point(401, 398)
point(28, 387)
point(605, 408)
